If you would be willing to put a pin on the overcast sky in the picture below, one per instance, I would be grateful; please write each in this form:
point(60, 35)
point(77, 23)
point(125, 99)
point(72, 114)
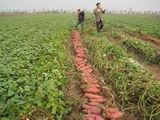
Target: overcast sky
point(137, 5)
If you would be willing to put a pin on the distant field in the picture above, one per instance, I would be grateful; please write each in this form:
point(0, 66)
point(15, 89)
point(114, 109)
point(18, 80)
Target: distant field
point(35, 63)
point(146, 24)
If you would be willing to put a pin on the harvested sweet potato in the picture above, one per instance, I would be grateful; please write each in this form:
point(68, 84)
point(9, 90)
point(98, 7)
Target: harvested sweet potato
point(91, 109)
point(102, 100)
point(113, 113)
point(87, 70)
point(81, 55)
point(89, 118)
point(93, 96)
point(93, 103)
point(93, 90)
point(90, 81)
point(78, 59)
point(93, 116)
point(94, 85)
point(80, 65)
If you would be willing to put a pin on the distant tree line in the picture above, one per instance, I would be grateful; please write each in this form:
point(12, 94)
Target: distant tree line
point(130, 11)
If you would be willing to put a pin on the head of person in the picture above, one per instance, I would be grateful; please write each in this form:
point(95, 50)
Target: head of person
point(79, 10)
point(98, 5)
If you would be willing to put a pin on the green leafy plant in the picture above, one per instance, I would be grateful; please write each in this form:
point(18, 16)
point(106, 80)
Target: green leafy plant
point(32, 65)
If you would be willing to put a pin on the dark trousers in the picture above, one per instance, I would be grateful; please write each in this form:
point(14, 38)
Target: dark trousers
point(81, 23)
point(99, 25)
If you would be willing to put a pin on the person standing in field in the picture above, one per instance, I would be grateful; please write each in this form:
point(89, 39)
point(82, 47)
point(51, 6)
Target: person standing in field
point(81, 18)
point(98, 11)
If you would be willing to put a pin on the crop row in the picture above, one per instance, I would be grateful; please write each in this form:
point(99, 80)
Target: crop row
point(143, 49)
point(148, 25)
point(135, 91)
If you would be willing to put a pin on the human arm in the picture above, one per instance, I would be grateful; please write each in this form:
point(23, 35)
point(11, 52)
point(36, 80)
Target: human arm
point(77, 13)
point(103, 11)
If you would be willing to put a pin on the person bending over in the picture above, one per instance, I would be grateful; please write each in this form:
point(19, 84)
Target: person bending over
point(81, 18)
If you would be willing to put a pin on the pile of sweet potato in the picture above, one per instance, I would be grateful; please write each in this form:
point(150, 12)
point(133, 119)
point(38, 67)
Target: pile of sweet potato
point(92, 109)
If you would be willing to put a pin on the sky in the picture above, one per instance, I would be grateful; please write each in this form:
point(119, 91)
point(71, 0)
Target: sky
point(137, 5)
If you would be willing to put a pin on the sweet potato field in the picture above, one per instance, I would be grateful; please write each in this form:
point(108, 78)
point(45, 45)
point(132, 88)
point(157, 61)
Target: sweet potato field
point(51, 71)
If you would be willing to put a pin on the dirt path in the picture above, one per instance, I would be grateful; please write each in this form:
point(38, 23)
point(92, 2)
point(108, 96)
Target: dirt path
point(92, 103)
point(74, 91)
point(75, 95)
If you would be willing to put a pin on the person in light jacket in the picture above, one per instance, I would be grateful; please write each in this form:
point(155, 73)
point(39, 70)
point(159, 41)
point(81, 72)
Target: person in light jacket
point(98, 11)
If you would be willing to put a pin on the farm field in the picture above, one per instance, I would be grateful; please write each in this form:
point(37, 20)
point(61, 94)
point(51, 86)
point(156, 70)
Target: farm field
point(148, 25)
point(33, 65)
point(49, 71)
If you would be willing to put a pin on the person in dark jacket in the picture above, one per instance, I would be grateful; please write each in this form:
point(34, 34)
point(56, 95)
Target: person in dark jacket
point(98, 11)
point(81, 18)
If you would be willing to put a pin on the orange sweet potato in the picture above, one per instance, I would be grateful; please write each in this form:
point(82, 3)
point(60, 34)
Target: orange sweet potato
point(91, 110)
point(113, 113)
point(93, 96)
point(93, 103)
point(93, 90)
point(93, 116)
point(100, 100)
